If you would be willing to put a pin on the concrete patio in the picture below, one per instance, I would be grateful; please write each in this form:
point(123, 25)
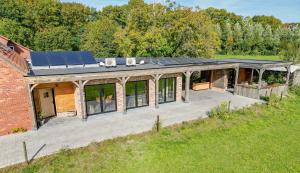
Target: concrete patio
point(71, 132)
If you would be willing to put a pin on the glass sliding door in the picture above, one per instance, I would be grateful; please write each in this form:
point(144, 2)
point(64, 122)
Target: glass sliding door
point(170, 89)
point(167, 90)
point(93, 99)
point(130, 95)
point(108, 98)
point(136, 94)
point(100, 98)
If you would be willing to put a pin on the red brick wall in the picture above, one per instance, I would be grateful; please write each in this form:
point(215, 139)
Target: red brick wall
point(14, 106)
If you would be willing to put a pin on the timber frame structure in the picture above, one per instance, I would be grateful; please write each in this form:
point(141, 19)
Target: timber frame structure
point(85, 91)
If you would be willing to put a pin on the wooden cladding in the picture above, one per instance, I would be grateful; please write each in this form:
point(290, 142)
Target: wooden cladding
point(63, 96)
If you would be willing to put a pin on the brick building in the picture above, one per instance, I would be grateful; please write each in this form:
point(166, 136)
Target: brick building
point(36, 86)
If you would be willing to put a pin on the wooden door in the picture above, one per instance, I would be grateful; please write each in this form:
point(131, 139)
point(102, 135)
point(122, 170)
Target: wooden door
point(47, 102)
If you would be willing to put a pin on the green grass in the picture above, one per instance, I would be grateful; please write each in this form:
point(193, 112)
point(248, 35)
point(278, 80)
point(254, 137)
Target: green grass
point(263, 138)
point(259, 57)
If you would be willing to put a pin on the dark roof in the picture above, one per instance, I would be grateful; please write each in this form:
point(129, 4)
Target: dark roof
point(14, 58)
point(149, 63)
point(251, 61)
point(71, 57)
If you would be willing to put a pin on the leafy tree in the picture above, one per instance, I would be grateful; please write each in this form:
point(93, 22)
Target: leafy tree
point(228, 38)
point(268, 20)
point(290, 44)
point(237, 37)
point(14, 31)
point(55, 38)
point(116, 13)
point(258, 43)
point(99, 38)
point(221, 16)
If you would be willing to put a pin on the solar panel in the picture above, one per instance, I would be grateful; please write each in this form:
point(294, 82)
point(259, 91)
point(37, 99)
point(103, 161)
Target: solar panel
point(73, 59)
point(121, 61)
point(87, 58)
point(39, 59)
point(56, 58)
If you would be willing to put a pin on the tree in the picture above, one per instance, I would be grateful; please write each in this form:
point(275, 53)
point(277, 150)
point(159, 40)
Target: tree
point(55, 38)
point(99, 38)
point(258, 42)
point(237, 37)
point(290, 44)
point(268, 20)
point(228, 38)
point(116, 13)
point(14, 31)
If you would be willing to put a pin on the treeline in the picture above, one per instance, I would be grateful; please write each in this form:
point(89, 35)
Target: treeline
point(144, 30)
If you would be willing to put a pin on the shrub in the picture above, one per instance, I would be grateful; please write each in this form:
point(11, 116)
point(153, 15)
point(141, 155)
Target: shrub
point(220, 111)
point(18, 130)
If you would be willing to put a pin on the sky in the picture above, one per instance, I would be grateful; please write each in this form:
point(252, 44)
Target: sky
point(286, 10)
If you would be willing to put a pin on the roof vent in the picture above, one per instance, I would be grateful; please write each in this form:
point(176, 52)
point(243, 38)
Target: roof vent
point(130, 61)
point(110, 62)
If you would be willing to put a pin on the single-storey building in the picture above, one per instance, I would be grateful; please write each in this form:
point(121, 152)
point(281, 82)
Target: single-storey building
point(35, 86)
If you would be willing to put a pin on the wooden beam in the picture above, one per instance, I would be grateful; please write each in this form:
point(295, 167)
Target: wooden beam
point(33, 86)
point(82, 100)
point(251, 78)
point(32, 108)
point(118, 74)
point(123, 81)
point(261, 72)
point(156, 79)
point(187, 86)
point(237, 72)
point(288, 75)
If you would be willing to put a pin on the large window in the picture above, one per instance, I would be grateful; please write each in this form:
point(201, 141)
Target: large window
point(100, 98)
point(136, 94)
point(167, 90)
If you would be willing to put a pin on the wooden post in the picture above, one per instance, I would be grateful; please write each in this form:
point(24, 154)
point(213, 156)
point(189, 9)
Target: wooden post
point(261, 72)
point(157, 123)
point(156, 78)
point(281, 95)
point(211, 79)
point(187, 86)
point(237, 71)
point(123, 81)
point(229, 103)
point(288, 75)
point(25, 152)
point(32, 109)
point(251, 78)
point(82, 100)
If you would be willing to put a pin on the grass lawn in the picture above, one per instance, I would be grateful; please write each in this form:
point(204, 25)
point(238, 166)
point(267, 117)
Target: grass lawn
point(259, 57)
point(257, 139)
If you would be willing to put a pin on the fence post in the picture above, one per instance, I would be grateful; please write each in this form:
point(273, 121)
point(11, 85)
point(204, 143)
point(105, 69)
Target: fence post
point(25, 152)
point(229, 103)
point(281, 95)
point(157, 123)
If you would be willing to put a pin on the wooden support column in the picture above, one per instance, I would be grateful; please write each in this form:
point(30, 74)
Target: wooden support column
point(31, 105)
point(82, 100)
point(251, 78)
point(288, 69)
point(237, 71)
point(211, 79)
point(187, 86)
point(261, 72)
point(123, 81)
point(156, 78)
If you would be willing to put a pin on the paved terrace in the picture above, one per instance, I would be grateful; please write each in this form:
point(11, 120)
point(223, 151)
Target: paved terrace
point(72, 132)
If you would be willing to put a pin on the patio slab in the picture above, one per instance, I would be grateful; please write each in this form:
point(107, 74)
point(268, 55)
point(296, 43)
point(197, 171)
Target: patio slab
point(71, 132)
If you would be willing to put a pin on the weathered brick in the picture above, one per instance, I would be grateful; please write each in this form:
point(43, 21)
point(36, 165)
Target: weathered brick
point(14, 101)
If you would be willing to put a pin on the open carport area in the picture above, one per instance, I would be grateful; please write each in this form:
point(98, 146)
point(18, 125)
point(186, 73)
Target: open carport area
point(69, 132)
